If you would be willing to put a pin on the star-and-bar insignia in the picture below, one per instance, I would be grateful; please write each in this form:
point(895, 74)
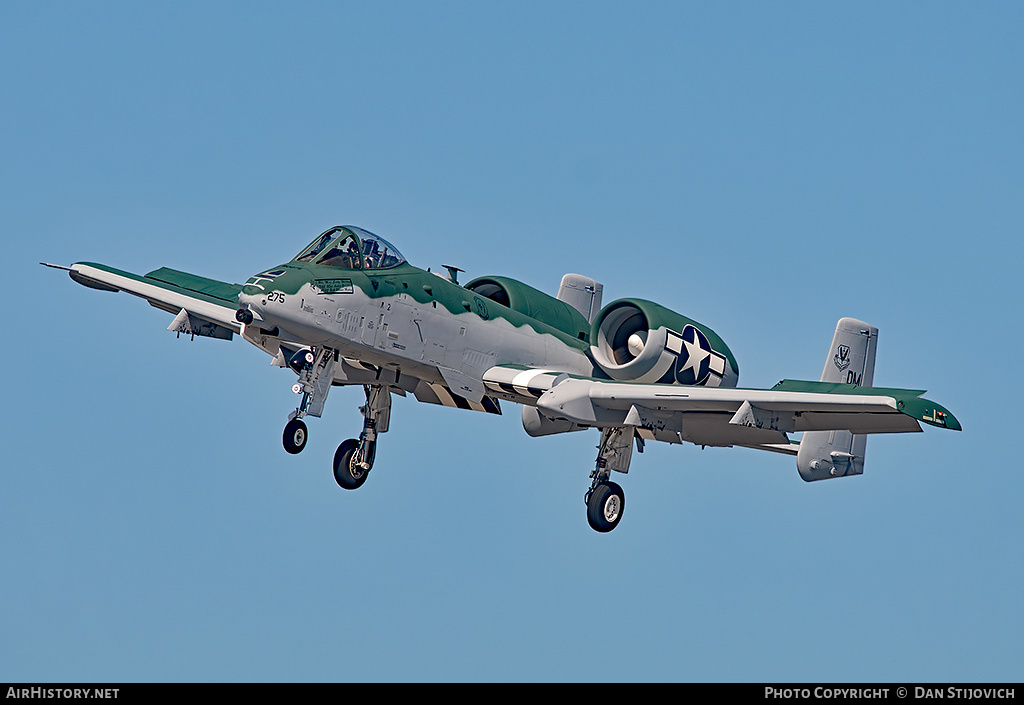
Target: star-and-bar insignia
point(697, 362)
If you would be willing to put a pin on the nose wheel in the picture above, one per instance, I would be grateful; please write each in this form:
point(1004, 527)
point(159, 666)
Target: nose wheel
point(316, 372)
point(295, 436)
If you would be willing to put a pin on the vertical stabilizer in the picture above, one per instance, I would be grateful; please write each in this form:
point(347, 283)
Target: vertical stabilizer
point(582, 293)
point(850, 360)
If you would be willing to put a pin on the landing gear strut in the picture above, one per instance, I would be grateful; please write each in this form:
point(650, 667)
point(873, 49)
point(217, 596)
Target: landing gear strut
point(605, 499)
point(316, 372)
point(353, 459)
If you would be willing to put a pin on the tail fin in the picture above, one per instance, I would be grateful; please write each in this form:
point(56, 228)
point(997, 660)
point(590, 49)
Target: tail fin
point(582, 293)
point(851, 360)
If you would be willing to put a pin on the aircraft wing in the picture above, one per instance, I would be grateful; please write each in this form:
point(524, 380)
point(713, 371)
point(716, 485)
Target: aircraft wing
point(202, 306)
point(714, 416)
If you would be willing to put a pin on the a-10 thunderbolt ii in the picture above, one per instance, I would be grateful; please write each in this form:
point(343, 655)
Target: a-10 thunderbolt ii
point(349, 310)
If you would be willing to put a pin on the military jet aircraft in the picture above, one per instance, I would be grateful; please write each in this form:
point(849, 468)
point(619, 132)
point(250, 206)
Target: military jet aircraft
point(349, 310)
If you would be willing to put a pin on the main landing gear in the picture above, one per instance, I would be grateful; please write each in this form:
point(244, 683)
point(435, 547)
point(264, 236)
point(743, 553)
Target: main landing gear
point(354, 458)
point(605, 499)
point(605, 503)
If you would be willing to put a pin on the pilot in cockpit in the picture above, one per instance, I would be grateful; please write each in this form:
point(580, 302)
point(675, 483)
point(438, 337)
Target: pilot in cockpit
point(353, 252)
point(345, 251)
point(371, 254)
point(345, 254)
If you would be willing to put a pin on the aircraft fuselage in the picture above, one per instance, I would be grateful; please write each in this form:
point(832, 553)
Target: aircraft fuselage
point(406, 318)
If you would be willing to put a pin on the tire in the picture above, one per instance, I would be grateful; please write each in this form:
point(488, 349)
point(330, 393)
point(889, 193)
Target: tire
point(605, 506)
point(295, 436)
point(346, 473)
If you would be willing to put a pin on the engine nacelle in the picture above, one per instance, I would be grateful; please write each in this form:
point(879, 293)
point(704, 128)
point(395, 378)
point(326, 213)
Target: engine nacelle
point(533, 303)
point(537, 424)
point(633, 340)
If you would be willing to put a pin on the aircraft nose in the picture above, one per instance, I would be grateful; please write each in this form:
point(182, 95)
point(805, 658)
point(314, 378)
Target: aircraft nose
point(245, 296)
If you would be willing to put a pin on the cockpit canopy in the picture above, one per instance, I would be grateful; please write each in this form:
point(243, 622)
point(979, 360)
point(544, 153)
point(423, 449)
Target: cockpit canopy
point(349, 247)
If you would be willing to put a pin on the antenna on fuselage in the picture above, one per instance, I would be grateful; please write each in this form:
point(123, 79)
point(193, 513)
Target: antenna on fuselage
point(453, 273)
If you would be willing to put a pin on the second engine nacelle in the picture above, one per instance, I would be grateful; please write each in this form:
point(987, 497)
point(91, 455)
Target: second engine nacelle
point(633, 340)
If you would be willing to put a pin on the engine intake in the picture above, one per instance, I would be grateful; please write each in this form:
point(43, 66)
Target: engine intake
point(634, 340)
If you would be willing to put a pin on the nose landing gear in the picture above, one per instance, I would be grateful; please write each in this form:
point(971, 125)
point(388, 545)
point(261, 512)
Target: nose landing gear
point(295, 435)
point(316, 372)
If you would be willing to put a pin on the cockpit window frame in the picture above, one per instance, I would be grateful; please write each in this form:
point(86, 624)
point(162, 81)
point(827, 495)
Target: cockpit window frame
point(316, 248)
point(378, 253)
point(352, 252)
point(375, 254)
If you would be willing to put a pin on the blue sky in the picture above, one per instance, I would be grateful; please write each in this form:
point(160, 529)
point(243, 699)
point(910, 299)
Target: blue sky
point(765, 168)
